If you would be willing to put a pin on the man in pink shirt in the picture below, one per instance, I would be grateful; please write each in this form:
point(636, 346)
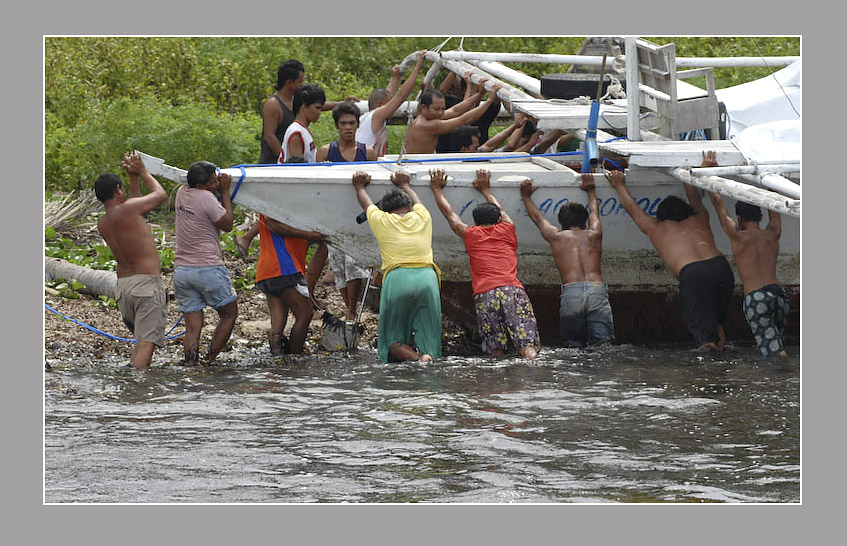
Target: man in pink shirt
point(503, 310)
point(200, 277)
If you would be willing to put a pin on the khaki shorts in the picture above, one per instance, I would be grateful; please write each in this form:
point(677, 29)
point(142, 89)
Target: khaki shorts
point(345, 268)
point(142, 301)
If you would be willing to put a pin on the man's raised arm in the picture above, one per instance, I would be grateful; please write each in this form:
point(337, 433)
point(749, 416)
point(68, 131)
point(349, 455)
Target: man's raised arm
point(695, 198)
point(774, 222)
point(482, 184)
point(726, 221)
point(401, 180)
point(497, 140)
point(587, 185)
point(644, 222)
point(360, 181)
point(156, 194)
point(437, 182)
point(387, 110)
point(444, 126)
point(548, 230)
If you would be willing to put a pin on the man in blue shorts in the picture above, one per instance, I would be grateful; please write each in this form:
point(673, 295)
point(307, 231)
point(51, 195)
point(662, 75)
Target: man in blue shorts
point(200, 277)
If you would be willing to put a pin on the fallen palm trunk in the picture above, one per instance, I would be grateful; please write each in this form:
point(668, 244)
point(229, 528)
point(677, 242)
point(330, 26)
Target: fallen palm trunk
point(96, 282)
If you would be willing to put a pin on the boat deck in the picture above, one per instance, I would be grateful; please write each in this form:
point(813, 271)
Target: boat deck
point(673, 153)
point(553, 114)
point(557, 114)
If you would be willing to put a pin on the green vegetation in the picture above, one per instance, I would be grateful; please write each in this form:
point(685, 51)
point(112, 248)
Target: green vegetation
point(185, 99)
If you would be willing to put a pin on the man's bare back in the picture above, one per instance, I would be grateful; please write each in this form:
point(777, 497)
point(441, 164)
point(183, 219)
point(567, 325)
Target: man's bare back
point(576, 250)
point(682, 242)
point(130, 240)
point(678, 242)
point(577, 255)
point(124, 228)
point(755, 249)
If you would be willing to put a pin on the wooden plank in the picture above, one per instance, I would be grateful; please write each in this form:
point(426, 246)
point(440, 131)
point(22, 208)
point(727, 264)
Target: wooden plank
point(557, 115)
point(670, 153)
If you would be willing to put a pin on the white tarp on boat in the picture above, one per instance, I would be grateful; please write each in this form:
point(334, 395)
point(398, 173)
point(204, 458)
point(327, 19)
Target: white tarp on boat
point(774, 142)
point(777, 97)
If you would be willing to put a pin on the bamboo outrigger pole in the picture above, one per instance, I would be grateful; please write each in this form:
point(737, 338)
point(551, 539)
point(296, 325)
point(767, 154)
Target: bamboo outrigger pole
point(739, 191)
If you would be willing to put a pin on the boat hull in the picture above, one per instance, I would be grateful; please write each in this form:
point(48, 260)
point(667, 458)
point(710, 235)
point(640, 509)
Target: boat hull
point(643, 293)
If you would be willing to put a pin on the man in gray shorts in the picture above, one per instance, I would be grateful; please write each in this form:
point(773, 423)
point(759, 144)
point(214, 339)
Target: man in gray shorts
point(140, 292)
point(585, 315)
point(200, 277)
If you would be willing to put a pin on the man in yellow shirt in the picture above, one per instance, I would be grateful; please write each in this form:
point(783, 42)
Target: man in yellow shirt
point(410, 302)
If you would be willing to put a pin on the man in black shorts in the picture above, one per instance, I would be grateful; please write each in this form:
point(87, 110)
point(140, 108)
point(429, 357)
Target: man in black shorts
point(682, 236)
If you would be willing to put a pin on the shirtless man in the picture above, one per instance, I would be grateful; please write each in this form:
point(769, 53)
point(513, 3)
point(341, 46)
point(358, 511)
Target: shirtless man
point(585, 315)
point(504, 313)
point(381, 106)
point(682, 236)
point(432, 120)
point(140, 292)
point(765, 301)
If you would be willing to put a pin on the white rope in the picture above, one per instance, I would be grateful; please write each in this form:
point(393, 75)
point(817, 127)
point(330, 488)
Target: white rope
point(773, 72)
point(437, 48)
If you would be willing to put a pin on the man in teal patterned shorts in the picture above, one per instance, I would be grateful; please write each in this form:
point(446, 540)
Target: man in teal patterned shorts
point(765, 301)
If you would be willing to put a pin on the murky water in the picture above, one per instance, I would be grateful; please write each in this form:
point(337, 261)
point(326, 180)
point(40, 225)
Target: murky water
point(629, 424)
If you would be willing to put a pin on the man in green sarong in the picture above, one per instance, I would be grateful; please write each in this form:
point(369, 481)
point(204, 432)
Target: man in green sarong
point(410, 302)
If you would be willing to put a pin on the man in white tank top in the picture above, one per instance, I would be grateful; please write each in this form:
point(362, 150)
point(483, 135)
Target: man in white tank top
point(381, 106)
point(307, 105)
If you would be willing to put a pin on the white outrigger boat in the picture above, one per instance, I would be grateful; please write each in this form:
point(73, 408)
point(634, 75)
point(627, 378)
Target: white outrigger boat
point(759, 164)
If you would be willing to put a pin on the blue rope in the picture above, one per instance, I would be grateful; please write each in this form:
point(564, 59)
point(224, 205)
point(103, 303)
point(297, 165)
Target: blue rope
point(607, 160)
point(102, 333)
point(238, 184)
point(470, 157)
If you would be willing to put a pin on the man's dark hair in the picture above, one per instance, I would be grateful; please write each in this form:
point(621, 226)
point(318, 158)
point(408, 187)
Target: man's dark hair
point(528, 129)
point(462, 136)
point(306, 94)
point(344, 108)
point(673, 208)
point(296, 159)
point(288, 71)
point(105, 186)
point(199, 172)
point(748, 212)
point(378, 95)
point(394, 199)
point(573, 215)
point(429, 95)
point(486, 214)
